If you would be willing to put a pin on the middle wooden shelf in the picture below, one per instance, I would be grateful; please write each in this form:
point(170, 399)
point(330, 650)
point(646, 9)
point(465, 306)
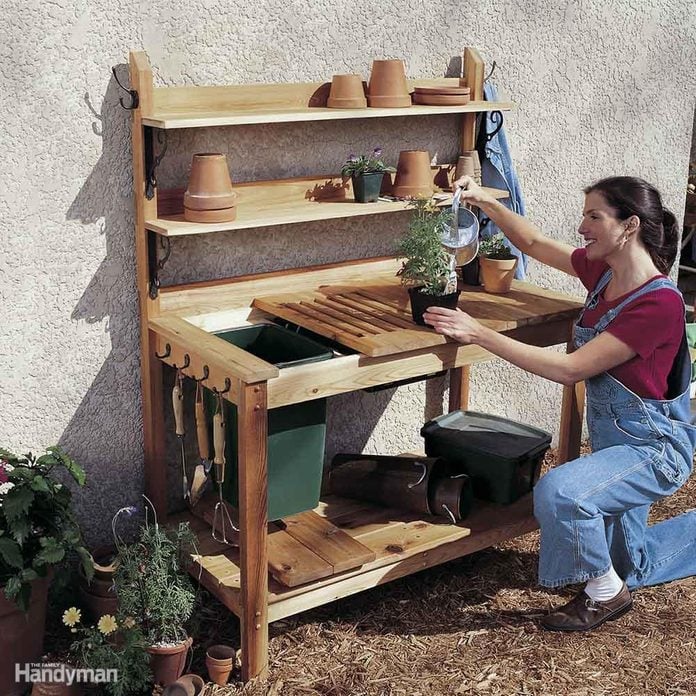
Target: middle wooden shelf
point(279, 202)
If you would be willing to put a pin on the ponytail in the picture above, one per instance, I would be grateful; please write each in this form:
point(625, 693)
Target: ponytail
point(665, 256)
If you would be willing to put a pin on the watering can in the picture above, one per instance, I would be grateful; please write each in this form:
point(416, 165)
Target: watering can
point(463, 234)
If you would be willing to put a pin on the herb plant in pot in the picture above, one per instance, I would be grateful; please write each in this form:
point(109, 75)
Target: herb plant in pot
point(38, 529)
point(497, 263)
point(366, 173)
point(428, 268)
point(154, 589)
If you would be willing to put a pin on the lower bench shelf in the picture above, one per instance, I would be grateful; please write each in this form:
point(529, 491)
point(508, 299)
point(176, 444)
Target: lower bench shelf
point(402, 543)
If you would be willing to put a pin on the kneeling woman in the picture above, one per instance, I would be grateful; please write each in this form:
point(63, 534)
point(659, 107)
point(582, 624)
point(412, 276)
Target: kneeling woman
point(631, 350)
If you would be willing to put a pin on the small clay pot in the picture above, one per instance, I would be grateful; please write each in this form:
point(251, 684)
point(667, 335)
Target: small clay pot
point(167, 663)
point(219, 660)
point(95, 606)
point(413, 174)
point(222, 215)
point(210, 186)
point(465, 167)
point(104, 562)
point(388, 87)
point(420, 301)
point(347, 92)
point(185, 685)
point(497, 274)
point(55, 689)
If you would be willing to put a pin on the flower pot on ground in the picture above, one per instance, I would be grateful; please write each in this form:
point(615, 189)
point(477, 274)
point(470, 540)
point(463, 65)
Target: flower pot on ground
point(497, 264)
point(219, 660)
point(154, 589)
point(38, 529)
point(428, 268)
point(366, 173)
point(98, 595)
point(59, 685)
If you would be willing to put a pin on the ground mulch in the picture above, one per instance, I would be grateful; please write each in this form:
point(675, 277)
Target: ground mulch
point(470, 626)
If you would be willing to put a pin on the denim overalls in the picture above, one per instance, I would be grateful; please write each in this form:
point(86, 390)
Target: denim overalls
point(593, 511)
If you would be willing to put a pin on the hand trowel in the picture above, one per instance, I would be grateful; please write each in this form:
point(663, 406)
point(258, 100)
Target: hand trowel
point(201, 474)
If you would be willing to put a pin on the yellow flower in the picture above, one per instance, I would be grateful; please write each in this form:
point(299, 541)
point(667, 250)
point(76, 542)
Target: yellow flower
point(72, 616)
point(107, 624)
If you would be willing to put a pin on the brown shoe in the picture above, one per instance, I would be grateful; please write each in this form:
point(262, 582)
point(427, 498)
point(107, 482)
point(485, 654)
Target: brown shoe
point(584, 614)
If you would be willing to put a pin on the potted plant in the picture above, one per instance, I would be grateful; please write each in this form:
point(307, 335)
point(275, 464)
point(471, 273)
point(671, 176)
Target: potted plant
point(497, 263)
point(111, 644)
point(38, 529)
point(366, 173)
point(428, 267)
point(154, 588)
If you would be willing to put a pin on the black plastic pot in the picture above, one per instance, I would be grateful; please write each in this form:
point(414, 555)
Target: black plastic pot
point(470, 273)
point(366, 187)
point(420, 301)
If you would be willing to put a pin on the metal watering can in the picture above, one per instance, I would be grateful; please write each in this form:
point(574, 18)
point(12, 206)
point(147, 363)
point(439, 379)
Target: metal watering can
point(463, 235)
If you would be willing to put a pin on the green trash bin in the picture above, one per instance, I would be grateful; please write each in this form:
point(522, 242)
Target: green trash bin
point(296, 433)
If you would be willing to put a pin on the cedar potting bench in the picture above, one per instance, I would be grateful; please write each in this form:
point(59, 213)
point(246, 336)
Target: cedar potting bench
point(343, 546)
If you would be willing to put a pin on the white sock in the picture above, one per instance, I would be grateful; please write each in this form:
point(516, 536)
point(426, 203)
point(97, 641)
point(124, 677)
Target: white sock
point(605, 587)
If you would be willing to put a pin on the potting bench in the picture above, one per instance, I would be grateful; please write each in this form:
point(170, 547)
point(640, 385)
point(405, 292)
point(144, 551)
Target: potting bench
point(343, 546)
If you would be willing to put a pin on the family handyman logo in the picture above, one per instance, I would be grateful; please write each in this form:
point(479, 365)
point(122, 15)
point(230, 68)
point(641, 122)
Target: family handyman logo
point(49, 673)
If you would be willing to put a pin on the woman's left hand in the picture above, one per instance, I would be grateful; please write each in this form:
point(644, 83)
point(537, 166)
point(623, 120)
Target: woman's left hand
point(453, 323)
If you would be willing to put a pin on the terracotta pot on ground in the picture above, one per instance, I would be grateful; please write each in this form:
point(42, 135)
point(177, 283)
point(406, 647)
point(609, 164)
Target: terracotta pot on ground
point(413, 174)
point(167, 663)
point(497, 274)
point(104, 563)
point(209, 196)
point(220, 659)
point(420, 301)
point(98, 597)
point(21, 635)
point(55, 689)
point(186, 685)
point(347, 92)
point(388, 87)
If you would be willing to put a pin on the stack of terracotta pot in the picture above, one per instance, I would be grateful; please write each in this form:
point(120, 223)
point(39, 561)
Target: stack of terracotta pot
point(414, 176)
point(441, 96)
point(209, 197)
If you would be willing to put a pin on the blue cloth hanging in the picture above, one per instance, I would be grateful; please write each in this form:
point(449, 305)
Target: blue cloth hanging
point(497, 171)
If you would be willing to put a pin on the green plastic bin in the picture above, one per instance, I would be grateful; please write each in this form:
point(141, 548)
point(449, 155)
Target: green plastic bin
point(501, 456)
point(296, 433)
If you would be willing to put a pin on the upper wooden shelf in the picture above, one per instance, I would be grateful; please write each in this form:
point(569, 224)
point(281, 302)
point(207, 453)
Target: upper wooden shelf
point(234, 105)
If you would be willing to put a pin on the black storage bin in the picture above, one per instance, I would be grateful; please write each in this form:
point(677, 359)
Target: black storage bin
point(501, 456)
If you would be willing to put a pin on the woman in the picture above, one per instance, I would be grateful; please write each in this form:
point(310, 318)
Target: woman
point(631, 350)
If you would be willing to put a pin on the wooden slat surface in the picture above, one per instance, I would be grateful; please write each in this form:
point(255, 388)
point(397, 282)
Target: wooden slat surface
point(376, 321)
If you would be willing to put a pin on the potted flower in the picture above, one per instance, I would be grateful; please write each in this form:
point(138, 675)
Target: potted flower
point(428, 267)
point(366, 173)
point(38, 529)
point(111, 644)
point(154, 588)
point(497, 263)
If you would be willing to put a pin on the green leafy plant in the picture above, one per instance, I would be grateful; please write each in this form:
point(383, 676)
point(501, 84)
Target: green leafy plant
point(427, 263)
point(151, 583)
point(365, 164)
point(38, 527)
point(111, 645)
point(494, 247)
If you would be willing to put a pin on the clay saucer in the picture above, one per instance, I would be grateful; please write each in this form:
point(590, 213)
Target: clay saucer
point(441, 99)
point(442, 90)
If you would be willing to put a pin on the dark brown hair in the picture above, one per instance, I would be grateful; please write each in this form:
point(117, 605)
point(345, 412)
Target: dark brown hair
point(658, 230)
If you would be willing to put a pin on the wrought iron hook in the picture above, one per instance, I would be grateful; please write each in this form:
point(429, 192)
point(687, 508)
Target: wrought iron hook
point(493, 67)
point(135, 99)
point(166, 354)
point(228, 386)
point(206, 374)
point(187, 362)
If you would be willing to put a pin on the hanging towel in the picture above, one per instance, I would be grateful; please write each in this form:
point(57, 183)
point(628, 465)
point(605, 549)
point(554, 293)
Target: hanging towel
point(497, 171)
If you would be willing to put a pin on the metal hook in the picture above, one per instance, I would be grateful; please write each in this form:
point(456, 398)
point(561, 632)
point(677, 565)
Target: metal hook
point(495, 117)
point(228, 386)
point(135, 99)
point(166, 354)
point(206, 374)
point(449, 512)
point(152, 164)
point(488, 77)
point(187, 362)
point(423, 475)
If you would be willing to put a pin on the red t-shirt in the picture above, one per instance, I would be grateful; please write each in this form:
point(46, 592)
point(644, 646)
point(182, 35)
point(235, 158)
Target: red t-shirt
point(652, 325)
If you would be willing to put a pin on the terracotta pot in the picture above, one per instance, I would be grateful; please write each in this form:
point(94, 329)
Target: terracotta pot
point(347, 92)
point(388, 86)
point(474, 156)
point(186, 685)
point(210, 186)
point(497, 274)
point(55, 689)
point(103, 559)
point(222, 215)
point(98, 597)
point(413, 174)
point(219, 660)
point(167, 663)
point(95, 606)
point(465, 167)
point(21, 635)
point(420, 301)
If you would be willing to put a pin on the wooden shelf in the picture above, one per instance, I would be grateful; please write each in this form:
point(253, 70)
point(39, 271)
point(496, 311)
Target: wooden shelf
point(402, 543)
point(282, 202)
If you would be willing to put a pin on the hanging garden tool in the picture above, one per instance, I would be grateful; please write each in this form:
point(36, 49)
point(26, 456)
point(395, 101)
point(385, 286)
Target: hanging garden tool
point(178, 402)
point(222, 522)
point(201, 477)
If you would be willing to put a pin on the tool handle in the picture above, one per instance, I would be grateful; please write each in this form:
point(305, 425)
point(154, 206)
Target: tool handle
point(202, 430)
point(219, 444)
point(178, 402)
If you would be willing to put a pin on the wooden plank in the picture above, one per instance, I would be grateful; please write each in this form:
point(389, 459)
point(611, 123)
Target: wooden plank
point(328, 541)
point(293, 563)
point(361, 318)
point(473, 72)
point(383, 316)
point(459, 388)
point(252, 438)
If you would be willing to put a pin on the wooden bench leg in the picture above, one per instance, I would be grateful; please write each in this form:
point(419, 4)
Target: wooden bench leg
point(252, 426)
point(570, 433)
point(459, 388)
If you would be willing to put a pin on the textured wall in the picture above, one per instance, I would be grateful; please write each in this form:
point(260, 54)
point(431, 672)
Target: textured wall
point(602, 88)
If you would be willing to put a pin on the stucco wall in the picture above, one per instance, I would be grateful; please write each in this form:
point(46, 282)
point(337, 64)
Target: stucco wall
point(601, 88)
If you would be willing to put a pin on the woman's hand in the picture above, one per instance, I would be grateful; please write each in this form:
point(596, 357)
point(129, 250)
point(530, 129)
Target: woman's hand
point(472, 192)
point(453, 323)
